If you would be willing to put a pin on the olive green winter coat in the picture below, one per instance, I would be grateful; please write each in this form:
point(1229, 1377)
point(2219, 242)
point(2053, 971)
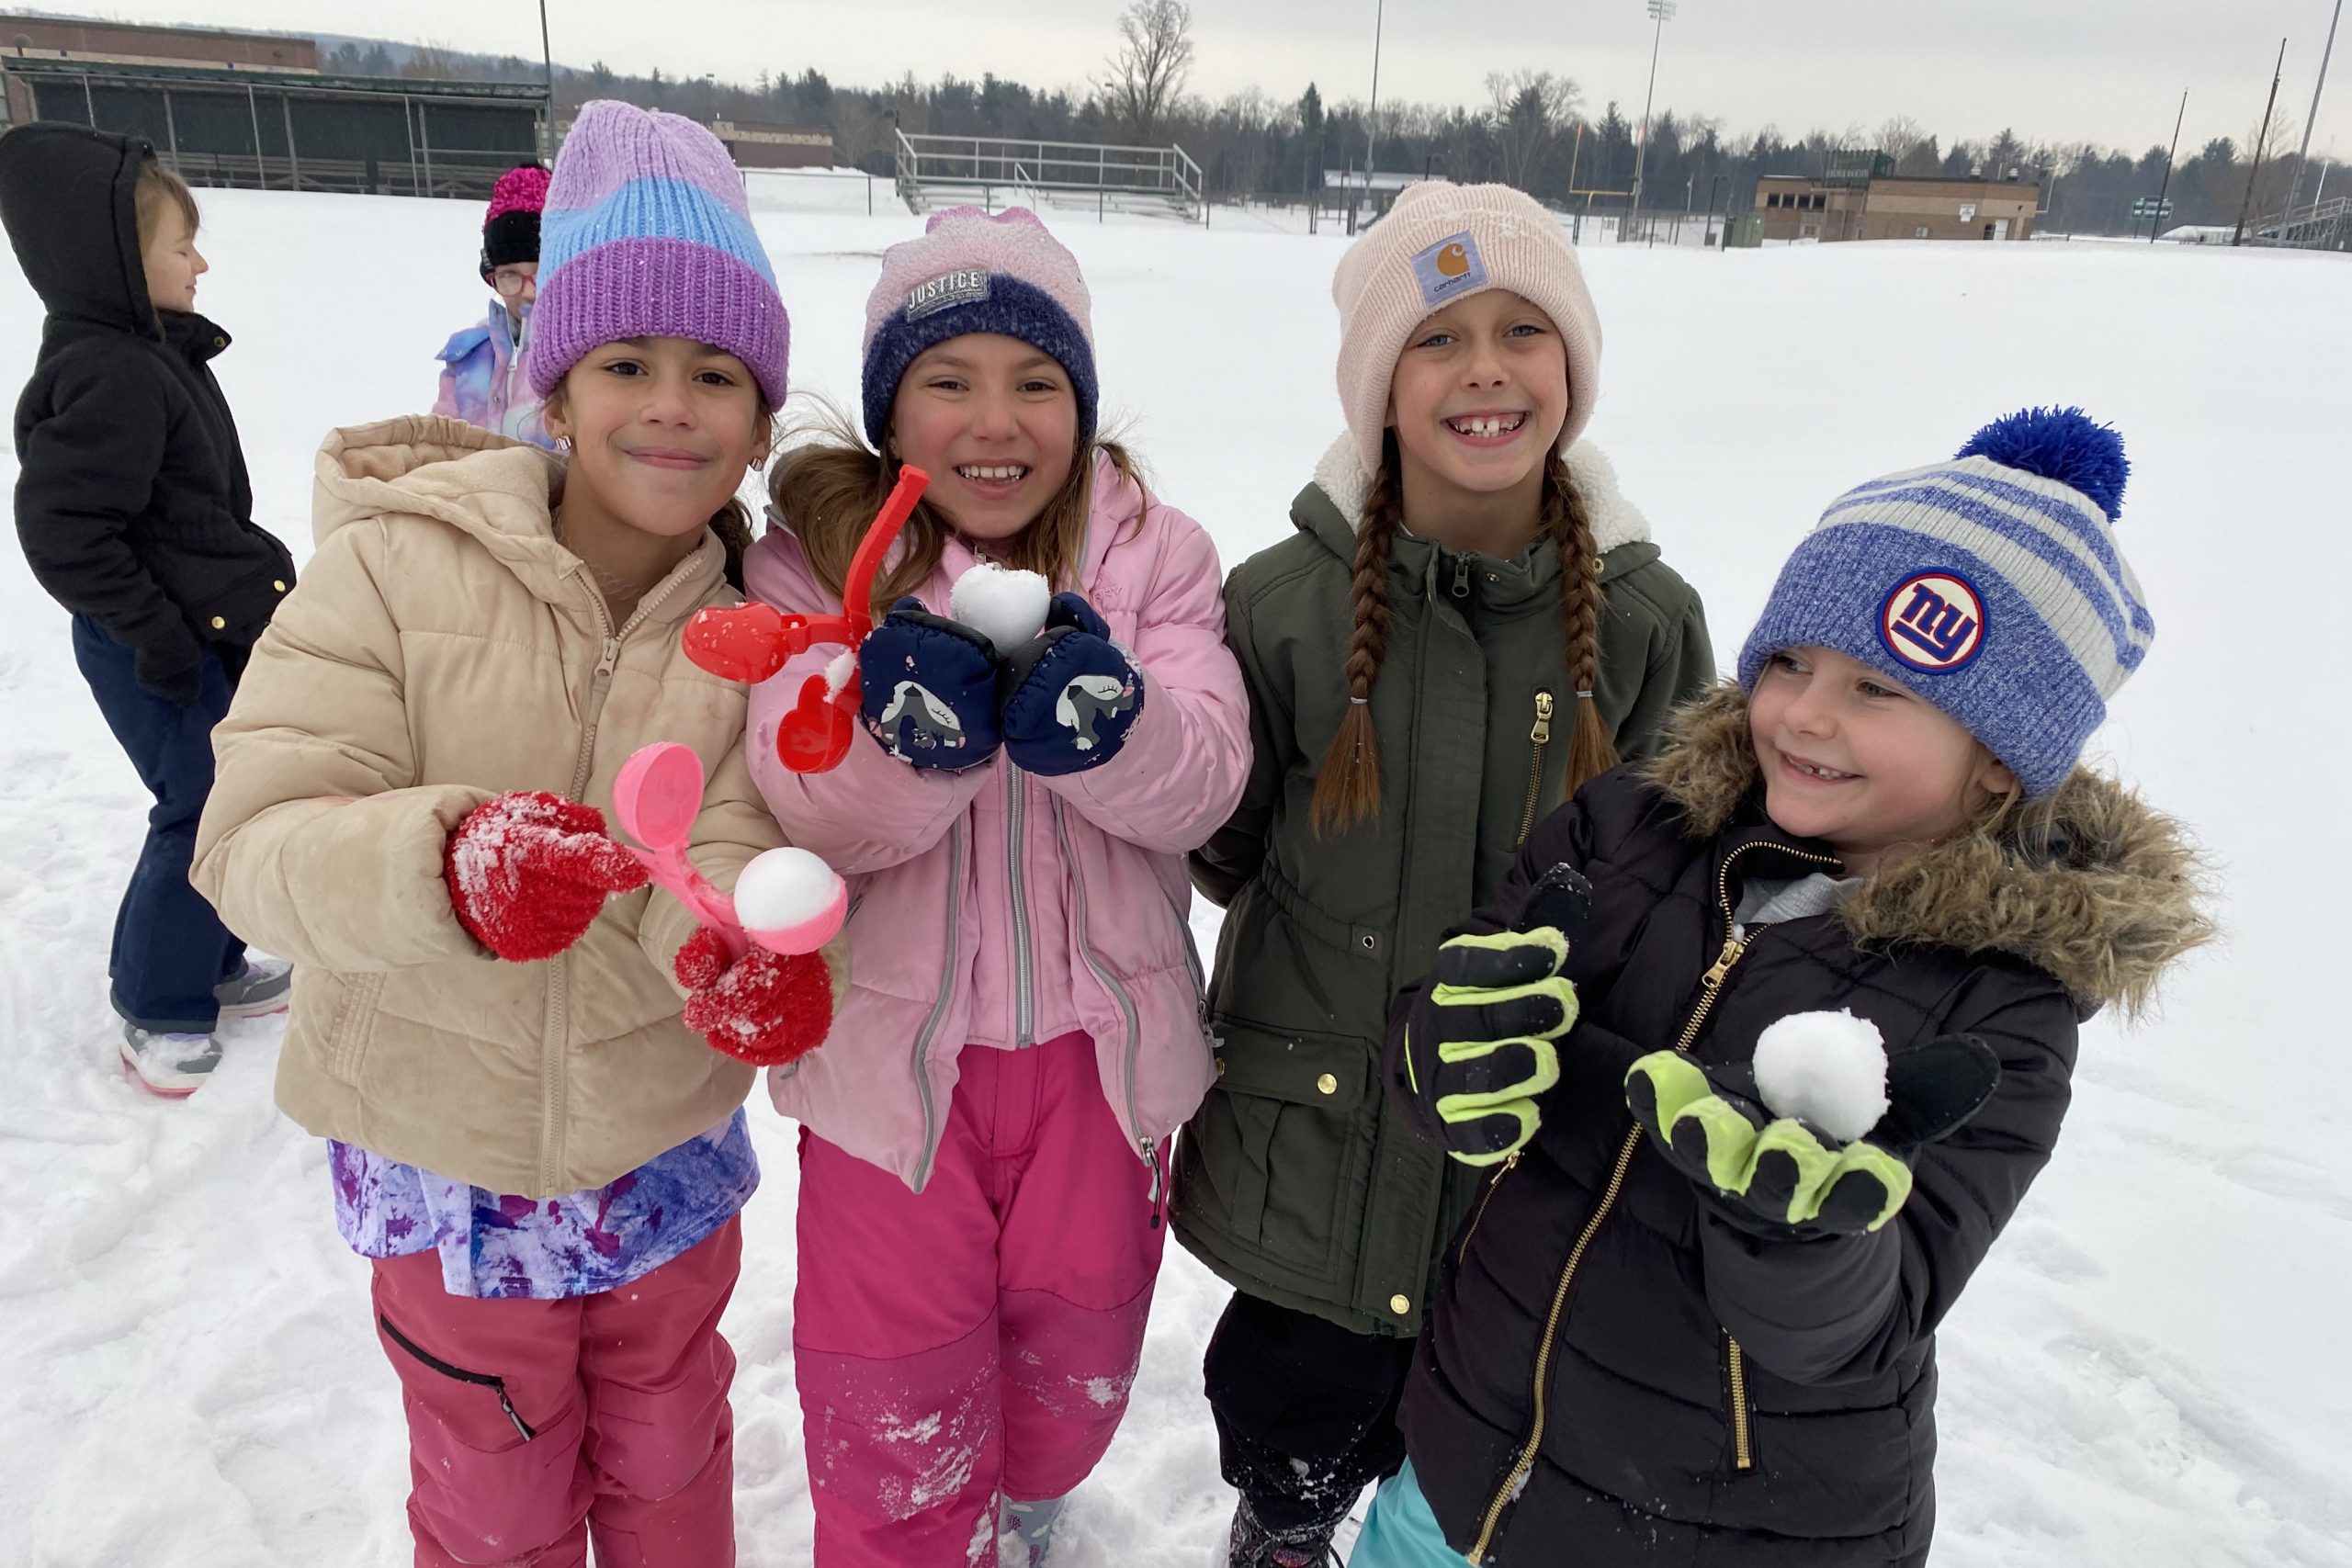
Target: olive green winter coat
point(1294, 1181)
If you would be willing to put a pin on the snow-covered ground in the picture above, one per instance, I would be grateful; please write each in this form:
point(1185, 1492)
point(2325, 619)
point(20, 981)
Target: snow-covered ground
point(2150, 1371)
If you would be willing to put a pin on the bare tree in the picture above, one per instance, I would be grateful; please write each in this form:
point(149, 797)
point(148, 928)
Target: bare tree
point(1148, 70)
point(1899, 137)
point(1527, 110)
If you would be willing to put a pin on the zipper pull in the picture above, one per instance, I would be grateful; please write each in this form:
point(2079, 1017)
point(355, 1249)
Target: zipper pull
point(1541, 733)
point(1151, 1158)
point(1733, 948)
point(609, 659)
point(1461, 577)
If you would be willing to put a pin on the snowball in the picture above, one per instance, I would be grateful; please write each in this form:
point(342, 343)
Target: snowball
point(782, 888)
point(838, 673)
point(1005, 606)
point(1827, 1069)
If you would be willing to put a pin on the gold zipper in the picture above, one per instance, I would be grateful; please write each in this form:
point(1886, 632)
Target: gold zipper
point(1542, 736)
point(1484, 1199)
point(1734, 947)
point(1743, 1451)
point(1526, 1463)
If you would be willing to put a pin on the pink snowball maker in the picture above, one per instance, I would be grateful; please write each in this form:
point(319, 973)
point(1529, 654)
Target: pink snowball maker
point(657, 798)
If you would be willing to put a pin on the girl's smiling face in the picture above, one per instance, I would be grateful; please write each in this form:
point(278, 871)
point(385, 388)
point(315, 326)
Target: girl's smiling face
point(993, 421)
point(661, 430)
point(1855, 760)
point(1480, 394)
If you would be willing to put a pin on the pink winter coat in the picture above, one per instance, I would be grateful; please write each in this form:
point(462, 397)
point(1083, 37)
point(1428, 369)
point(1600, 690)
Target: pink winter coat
point(1110, 842)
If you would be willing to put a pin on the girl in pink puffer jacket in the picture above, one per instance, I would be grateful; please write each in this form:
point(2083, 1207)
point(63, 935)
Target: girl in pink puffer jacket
point(984, 1151)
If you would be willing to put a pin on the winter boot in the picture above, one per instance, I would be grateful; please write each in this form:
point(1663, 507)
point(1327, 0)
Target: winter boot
point(1252, 1545)
point(260, 989)
point(175, 1066)
point(1031, 1524)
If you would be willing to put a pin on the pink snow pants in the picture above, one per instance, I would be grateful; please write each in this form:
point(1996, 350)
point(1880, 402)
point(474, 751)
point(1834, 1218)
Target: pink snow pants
point(979, 1337)
point(624, 1394)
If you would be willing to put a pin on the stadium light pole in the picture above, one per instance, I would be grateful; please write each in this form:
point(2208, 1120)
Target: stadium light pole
point(1661, 13)
point(2295, 185)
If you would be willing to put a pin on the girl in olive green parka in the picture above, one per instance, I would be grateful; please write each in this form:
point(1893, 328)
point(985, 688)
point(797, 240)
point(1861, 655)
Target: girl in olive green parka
point(1470, 622)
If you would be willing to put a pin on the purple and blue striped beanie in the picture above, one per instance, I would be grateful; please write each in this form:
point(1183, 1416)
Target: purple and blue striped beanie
point(974, 272)
point(646, 233)
point(1990, 585)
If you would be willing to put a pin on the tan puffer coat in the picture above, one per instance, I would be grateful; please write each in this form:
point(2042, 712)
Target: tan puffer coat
point(442, 647)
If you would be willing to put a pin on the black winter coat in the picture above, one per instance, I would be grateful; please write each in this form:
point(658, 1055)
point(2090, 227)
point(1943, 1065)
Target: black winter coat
point(132, 502)
point(1612, 1374)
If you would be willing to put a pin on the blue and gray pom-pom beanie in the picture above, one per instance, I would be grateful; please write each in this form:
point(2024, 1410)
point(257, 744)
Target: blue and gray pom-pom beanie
point(977, 272)
point(1991, 585)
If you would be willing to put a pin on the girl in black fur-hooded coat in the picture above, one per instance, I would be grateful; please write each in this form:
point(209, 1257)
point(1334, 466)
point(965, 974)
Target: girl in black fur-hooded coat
point(1691, 1322)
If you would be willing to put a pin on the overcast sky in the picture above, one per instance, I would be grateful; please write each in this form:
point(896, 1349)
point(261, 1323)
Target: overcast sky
point(2106, 71)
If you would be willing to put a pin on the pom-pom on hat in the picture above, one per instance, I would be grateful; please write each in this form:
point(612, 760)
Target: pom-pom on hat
point(976, 272)
point(1990, 585)
point(510, 229)
point(647, 234)
point(1440, 242)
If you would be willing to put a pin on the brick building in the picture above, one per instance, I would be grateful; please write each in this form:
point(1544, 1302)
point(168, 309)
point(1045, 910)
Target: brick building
point(1891, 207)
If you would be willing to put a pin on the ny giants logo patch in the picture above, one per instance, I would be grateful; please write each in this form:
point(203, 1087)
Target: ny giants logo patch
point(1448, 269)
point(968, 286)
point(1933, 622)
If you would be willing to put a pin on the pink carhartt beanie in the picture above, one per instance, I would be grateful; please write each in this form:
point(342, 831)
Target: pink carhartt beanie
point(1440, 242)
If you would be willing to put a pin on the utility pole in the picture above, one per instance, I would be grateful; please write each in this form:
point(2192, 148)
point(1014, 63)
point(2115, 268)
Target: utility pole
point(2156, 219)
point(2261, 137)
point(546, 60)
point(1371, 116)
point(1661, 12)
point(2295, 185)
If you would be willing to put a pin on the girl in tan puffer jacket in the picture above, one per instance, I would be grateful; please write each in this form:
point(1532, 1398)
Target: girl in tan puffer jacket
point(544, 1161)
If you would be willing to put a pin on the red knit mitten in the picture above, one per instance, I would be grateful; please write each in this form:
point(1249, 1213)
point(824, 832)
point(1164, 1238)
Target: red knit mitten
point(765, 1007)
point(530, 872)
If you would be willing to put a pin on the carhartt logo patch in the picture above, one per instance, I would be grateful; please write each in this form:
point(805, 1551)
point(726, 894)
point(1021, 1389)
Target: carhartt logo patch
point(1448, 269)
point(968, 286)
point(1933, 622)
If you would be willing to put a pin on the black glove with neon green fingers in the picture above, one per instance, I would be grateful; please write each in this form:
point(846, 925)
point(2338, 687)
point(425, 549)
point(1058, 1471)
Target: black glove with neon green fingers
point(1479, 1043)
point(1783, 1178)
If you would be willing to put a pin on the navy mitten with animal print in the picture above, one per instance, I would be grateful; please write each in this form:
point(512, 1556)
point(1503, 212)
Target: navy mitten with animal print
point(1070, 694)
point(927, 689)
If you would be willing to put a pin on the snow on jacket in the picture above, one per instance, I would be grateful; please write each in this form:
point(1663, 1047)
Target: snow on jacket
point(483, 383)
point(1707, 1397)
point(132, 501)
point(933, 857)
point(443, 649)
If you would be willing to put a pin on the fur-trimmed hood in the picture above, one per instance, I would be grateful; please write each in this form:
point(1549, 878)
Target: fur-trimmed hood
point(1342, 478)
point(2117, 898)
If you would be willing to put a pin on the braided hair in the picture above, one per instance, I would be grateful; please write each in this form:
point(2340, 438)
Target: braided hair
point(1347, 787)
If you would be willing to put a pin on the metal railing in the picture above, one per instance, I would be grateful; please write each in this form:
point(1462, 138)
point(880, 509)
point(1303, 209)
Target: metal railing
point(936, 165)
point(444, 176)
point(2322, 226)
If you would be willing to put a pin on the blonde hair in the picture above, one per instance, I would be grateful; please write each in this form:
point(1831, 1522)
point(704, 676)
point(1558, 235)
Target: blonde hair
point(827, 490)
point(158, 190)
point(1347, 787)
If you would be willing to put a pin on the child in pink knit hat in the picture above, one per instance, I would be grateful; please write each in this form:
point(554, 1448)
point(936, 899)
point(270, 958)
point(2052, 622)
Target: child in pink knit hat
point(482, 378)
point(984, 1135)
